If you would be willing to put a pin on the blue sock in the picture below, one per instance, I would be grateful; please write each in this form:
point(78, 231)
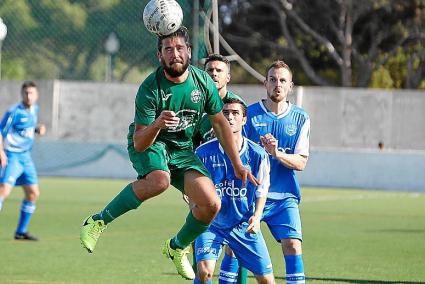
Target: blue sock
point(228, 270)
point(27, 209)
point(294, 269)
point(1, 203)
point(196, 281)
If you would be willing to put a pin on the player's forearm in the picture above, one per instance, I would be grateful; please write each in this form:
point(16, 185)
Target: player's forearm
point(259, 206)
point(145, 137)
point(1, 143)
point(3, 157)
point(292, 161)
point(225, 136)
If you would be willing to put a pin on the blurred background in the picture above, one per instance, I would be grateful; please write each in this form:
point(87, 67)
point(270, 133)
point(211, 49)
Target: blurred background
point(362, 43)
point(358, 67)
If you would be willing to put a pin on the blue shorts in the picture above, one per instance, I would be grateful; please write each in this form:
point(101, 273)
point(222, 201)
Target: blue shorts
point(20, 169)
point(283, 218)
point(250, 249)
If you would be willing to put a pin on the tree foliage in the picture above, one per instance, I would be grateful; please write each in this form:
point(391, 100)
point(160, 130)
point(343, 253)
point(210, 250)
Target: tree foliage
point(333, 42)
point(361, 43)
point(65, 39)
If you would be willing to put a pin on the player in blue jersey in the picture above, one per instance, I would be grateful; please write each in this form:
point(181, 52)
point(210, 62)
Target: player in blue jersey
point(238, 222)
point(283, 129)
point(18, 127)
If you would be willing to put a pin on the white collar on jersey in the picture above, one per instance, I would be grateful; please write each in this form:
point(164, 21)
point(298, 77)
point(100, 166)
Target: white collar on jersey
point(241, 151)
point(269, 113)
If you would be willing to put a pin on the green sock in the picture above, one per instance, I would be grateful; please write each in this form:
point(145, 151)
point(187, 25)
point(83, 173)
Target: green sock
point(125, 201)
point(189, 232)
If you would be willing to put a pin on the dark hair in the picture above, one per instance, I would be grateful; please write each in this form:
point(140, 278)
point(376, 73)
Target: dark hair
point(28, 84)
point(217, 57)
point(278, 64)
point(236, 101)
point(181, 32)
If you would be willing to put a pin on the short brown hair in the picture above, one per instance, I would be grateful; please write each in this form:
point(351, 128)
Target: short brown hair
point(278, 64)
point(217, 57)
point(236, 101)
point(28, 84)
point(181, 32)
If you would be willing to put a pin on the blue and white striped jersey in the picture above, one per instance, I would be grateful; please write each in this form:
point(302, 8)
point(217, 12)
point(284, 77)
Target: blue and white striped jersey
point(18, 127)
point(237, 202)
point(292, 130)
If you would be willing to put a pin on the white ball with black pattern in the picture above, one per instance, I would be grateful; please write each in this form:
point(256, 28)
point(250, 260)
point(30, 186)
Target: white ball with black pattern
point(162, 17)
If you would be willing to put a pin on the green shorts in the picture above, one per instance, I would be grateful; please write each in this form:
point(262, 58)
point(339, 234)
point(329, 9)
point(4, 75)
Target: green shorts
point(161, 157)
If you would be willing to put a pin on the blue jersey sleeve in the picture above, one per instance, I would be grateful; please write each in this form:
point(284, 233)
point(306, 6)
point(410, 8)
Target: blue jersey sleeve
point(6, 122)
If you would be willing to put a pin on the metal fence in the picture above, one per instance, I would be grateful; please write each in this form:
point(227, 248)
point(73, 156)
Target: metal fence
point(97, 40)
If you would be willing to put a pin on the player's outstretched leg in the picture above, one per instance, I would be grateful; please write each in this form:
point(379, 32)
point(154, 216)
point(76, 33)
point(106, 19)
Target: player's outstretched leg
point(94, 225)
point(90, 232)
point(180, 260)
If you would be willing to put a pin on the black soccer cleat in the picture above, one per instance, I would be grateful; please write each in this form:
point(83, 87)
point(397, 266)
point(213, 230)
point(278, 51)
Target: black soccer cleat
point(25, 237)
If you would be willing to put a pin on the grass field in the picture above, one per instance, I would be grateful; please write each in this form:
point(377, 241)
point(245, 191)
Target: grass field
point(350, 236)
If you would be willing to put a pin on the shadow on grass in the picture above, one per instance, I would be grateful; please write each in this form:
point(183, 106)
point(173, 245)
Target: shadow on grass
point(357, 281)
point(339, 280)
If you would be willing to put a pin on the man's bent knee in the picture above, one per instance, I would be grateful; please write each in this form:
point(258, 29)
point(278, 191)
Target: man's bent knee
point(265, 279)
point(291, 246)
point(204, 275)
point(151, 185)
point(211, 209)
point(32, 193)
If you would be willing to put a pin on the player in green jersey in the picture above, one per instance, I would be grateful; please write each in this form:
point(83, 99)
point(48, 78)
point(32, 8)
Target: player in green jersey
point(168, 105)
point(219, 69)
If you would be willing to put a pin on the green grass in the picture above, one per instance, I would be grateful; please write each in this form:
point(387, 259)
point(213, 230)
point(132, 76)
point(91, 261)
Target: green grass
point(350, 236)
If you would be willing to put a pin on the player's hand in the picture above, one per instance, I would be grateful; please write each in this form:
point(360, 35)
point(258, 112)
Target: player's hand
point(270, 144)
point(167, 119)
point(244, 174)
point(3, 159)
point(254, 225)
point(40, 129)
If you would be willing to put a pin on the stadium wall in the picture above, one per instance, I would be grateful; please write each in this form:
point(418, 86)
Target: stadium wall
point(347, 125)
point(340, 117)
point(350, 168)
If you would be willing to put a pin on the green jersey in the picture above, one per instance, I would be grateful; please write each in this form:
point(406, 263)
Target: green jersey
point(189, 100)
point(204, 130)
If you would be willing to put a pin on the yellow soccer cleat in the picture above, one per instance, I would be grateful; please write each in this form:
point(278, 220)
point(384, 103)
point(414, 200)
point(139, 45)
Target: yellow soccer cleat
point(180, 260)
point(90, 233)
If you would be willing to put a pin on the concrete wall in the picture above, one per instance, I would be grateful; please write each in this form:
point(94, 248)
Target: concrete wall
point(361, 118)
point(95, 112)
point(369, 169)
point(87, 127)
point(340, 117)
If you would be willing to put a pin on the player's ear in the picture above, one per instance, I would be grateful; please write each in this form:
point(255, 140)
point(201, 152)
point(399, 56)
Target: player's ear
point(189, 50)
point(158, 54)
point(228, 78)
point(244, 120)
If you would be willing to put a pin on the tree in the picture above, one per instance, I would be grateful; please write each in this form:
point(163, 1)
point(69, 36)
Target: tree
point(65, 39)
point(353, 38)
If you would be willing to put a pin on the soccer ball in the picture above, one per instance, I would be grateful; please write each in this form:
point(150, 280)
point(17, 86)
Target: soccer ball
point(162, 17)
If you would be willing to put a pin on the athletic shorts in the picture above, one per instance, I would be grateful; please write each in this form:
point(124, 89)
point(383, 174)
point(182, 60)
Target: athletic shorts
point(161, 157)
point(283, 218)
point(20, 169)
point(250, 249)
